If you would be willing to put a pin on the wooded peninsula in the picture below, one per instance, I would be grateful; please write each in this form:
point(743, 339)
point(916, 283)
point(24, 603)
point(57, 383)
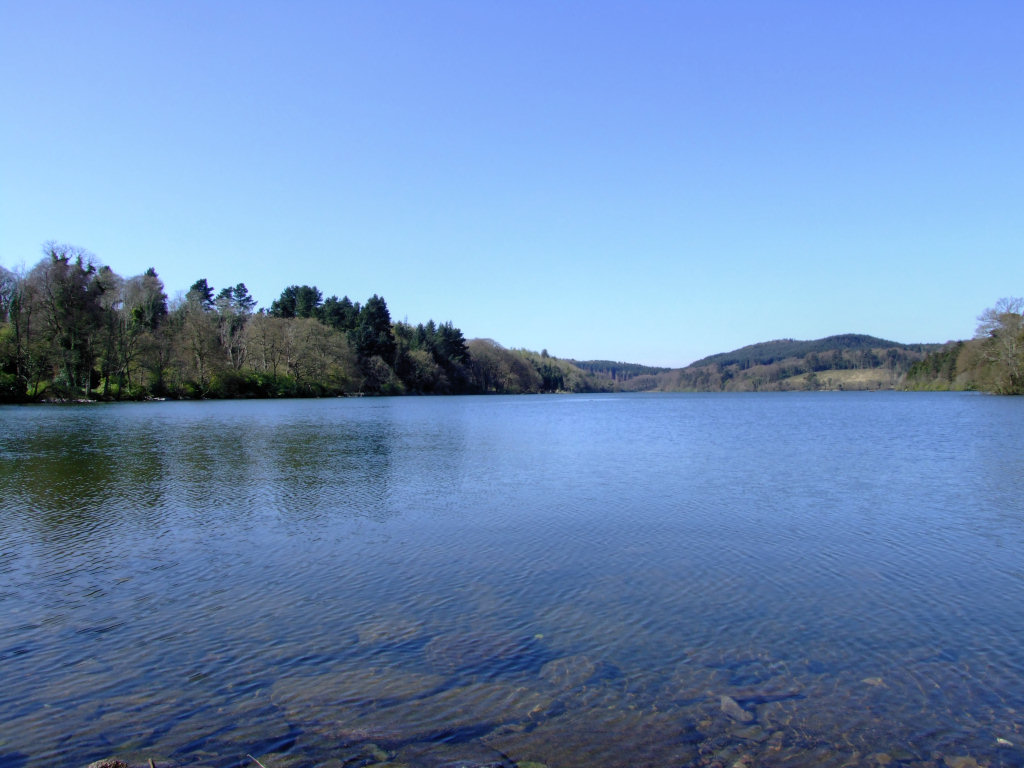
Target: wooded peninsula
point(73, 329)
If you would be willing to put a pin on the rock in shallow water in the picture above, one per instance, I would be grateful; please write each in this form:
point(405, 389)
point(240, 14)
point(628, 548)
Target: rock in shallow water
point(962, 761)
point(390, 631)
point(568, 671)
point(479, 653)
point(469, 755)
point(452, 715)
point(735, 711)
point(333, 693)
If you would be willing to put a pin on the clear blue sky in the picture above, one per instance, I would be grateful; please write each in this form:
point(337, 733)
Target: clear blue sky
point(641, 181)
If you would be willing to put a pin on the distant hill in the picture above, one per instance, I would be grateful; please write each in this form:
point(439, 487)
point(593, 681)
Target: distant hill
point(768, 352)
point(846, 361)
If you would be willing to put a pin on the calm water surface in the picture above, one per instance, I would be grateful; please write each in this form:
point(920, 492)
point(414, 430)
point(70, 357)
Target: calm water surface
point(659, 580)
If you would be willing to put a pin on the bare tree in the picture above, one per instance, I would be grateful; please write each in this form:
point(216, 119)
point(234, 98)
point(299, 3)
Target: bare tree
point(1001, 328)
point(8, 293)
point(68, 285)
point(266, 341)
point(197, 343)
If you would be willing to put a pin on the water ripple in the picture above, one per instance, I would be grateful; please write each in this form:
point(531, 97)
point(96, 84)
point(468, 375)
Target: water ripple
point(614, 580)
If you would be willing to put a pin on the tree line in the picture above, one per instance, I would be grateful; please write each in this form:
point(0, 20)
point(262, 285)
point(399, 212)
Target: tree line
point(992, 361)
point(72, 328)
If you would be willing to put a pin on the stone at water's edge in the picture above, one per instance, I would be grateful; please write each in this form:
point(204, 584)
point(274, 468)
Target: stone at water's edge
point(108, 763)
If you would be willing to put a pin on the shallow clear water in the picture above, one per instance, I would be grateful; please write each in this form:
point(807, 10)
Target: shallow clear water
point(782, 579)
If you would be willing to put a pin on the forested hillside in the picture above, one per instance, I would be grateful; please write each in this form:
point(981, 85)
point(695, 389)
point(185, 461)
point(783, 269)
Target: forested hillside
point(768, 352)
point(72, 328)
point(848, 361)
point(992, 361)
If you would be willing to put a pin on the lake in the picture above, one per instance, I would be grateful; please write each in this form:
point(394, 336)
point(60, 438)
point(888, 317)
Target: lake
point(789, 579)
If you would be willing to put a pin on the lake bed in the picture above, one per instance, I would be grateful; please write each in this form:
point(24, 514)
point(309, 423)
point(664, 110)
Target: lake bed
point(768, 579)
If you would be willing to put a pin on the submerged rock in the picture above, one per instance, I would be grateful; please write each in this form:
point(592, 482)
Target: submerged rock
point(735, 711)
point(465, 755)
point(479, 653)
point(752, 733)
point(461, 714)
point(568, 671)
point(609, 737)
point(390, 631)
point(334, 693)
point(960, 762)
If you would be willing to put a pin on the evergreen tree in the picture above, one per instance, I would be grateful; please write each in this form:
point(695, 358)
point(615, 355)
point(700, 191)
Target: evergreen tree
point(145, 295)
point(235, 300)
point(372, 335)
point(450, 345)
point(342, 315)
point(297, 301)
point(242, 300)
point(201, 293)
